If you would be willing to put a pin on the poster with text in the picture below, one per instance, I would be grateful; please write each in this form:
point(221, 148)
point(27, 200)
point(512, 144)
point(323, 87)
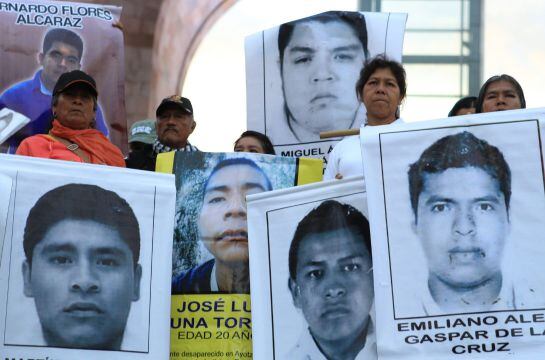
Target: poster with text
point(211, 312)
point(456, 209)
point(301, 76)
point(85, 270)
point(43, 39)
point(312, 273)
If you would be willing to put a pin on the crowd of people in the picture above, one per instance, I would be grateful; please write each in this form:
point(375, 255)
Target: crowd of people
point(72, 133)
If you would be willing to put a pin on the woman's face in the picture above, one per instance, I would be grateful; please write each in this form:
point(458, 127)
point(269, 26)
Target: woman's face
point(249, 144)
point(500, 95)
point(381, 96)
point(75, 108)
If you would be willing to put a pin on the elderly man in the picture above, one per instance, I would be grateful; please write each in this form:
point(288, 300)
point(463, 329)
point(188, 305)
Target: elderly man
point(62, 51)
point(174, 125)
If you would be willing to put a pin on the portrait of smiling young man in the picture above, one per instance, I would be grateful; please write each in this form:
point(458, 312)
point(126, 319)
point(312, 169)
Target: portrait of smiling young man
point(331, 283)
point(460, 190)
point(320, 59)
point(82, 266)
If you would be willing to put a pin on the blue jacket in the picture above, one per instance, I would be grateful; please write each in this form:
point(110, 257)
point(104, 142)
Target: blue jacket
point(195, 280)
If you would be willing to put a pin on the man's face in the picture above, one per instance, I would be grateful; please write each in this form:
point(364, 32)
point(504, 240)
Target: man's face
point(334, 284)
point(500, 95)
point(83, 280)
point(321, 64)
point(174, 126)
point(59, 59)
point(462, 222)
point(222, 221)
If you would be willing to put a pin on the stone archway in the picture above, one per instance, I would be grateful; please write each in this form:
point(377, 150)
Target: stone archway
point(161, 37)
point(180, 28)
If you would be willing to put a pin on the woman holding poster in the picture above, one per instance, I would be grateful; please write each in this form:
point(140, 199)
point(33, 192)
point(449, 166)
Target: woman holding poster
point(381, 87)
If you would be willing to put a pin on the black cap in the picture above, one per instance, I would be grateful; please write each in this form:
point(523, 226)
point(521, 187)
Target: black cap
point(75, 77)
point(178, 101)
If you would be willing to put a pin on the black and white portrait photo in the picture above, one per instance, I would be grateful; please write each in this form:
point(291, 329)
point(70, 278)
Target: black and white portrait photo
point(81, 267)
point(78, 259)
point(301, 75)
point(321, 275)
point(320, 57)
point(456, 209)
point(463, 223)
point(331, 282)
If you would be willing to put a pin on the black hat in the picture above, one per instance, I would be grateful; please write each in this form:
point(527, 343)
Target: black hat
point(74, 77)
point(177, 100)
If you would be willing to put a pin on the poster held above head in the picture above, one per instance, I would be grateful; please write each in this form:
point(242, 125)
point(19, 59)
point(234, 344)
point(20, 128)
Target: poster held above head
point(44, 39)
point(456, 220)
point(85, 272)
point(301, 76)
point(210, 250)
point(311, 273)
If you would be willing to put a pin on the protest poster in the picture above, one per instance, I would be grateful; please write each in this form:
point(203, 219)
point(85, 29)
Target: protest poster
point(311, 272)
point(301, 76)
point(456, 209)
point(211, 312)
point(42, 39)
point(85, 270)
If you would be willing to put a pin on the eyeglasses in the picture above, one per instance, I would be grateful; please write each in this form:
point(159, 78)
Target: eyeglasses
point(58, 57)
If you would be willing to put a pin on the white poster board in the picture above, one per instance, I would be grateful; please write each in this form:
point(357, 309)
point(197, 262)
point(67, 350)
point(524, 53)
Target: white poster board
point(301, 76)
point(311, 272)
point(86, 266)
point(456, 210)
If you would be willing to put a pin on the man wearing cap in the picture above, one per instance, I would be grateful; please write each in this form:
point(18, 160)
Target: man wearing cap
point(62, 51)
point(174, 125)
point(73, 136)
point(142, 136)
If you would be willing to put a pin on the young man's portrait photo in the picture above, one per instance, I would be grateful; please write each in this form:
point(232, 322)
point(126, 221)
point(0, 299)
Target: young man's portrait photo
point(321, 276)
point(211, 252)
point(464, 228)
point(81, 272)
point(320, 60)
point(302, 74)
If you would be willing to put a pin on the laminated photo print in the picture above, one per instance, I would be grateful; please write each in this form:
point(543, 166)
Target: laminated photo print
point(312, 273)
point(83, 273)
point(301, 76)
point(458, 227)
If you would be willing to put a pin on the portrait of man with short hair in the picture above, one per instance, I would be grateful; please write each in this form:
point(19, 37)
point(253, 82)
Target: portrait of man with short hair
point(61, 52)
point(460, 193)
point(320, 60)
point(223, 229)
point(81, 266)
point(331, 284)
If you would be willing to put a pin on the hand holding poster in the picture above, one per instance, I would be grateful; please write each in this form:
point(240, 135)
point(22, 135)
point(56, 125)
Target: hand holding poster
point(456, 215)
point(43, 39)
point(311, 272)
point(86, 262)
point(211, 312)
point(301, 76)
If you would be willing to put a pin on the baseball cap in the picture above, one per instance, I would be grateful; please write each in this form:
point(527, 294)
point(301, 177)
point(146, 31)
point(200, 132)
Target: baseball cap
point(75, 77)
point(177, 100)
point(143, 131)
